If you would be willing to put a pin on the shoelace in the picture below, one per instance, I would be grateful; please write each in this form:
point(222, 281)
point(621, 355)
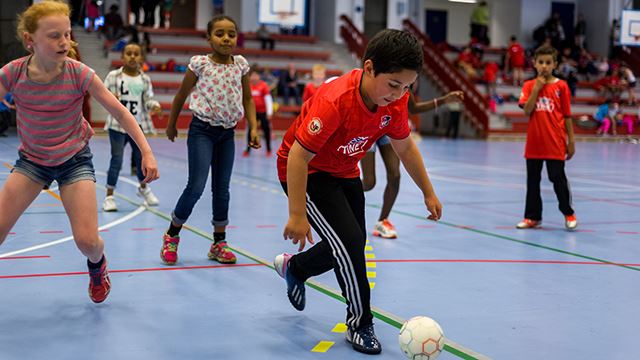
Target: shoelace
point(173, 247)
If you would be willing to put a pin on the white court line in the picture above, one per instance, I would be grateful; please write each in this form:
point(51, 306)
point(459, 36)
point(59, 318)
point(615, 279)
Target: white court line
point(127, 217)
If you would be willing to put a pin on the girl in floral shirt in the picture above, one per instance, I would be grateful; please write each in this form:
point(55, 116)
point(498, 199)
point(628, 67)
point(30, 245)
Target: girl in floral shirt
point(220, 97)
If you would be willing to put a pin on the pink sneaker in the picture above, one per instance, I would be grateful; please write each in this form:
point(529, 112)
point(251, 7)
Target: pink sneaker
point(220, 252)
point(169, 251)
point(99, 283)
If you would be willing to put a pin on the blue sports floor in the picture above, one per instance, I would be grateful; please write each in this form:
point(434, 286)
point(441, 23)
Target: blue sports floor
point(498, 292)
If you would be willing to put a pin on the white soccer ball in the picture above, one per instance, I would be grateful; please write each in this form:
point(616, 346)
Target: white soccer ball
point(421, 338)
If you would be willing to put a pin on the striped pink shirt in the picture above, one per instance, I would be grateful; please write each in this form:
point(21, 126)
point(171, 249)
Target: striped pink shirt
point(49, 116)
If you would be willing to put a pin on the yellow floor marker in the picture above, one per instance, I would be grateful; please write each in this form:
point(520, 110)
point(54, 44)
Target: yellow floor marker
point(372, 285)
point(371, 274)
point(371, 264)
point(322, 346)
point(339, 328)
point(368, 248)
point(369, 256)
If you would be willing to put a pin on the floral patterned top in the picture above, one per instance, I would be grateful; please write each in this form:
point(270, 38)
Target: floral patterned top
point(217, 95)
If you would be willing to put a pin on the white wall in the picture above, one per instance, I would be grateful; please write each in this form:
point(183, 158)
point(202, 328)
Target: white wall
point(352, 8)
point(397, 11)
point(505, 21)
point(458, 15)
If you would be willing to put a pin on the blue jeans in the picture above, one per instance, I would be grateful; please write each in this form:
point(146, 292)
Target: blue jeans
point(79, 167)
point(118, 141)
point(207, 146)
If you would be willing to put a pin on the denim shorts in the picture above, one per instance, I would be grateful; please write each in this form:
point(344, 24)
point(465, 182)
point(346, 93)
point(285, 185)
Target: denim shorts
point(384, 140)
point(79, 167)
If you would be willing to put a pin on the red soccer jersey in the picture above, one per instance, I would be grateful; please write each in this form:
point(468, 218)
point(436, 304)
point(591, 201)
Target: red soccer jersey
point(516, 55)
point(336, 125)
point(547, 134)
point(309, 90)
point(258, 92)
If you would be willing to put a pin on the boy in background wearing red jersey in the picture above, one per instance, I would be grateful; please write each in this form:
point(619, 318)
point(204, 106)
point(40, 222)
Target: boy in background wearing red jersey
point(546, 100)
point(318, 169)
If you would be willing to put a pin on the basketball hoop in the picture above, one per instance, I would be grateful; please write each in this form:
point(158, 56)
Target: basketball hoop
point(283, 16)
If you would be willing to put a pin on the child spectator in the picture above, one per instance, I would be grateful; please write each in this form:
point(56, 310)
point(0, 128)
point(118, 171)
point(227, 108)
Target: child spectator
point(547, 102)
point(515, 58)
point(318, 76)
point(264, 109)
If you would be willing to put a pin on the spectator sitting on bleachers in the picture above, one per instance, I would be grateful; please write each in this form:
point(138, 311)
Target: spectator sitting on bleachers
point(289, 82)
point(113, 25)
point(267, 76)
point(467, 62)
point(609, 87)
point(608, 114)
point(628, 81)
point(567, 70)
point(586, 65)
point(318, 76)
point(265, 38)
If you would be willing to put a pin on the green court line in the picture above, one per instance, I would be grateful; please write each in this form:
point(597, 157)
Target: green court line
point(508, 238)
point(395, 321)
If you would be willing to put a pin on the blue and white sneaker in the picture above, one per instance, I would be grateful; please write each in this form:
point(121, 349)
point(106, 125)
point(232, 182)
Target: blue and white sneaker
point(364, 340)
point(295, 287)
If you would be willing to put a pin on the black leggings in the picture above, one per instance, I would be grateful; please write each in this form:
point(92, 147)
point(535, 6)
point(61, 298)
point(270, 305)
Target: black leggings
point(335, 209)
point(555, 171)
point(266, 128)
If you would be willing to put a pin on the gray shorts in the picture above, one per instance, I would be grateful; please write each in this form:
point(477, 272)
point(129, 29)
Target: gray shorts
point(79, 167)
point(384, 140)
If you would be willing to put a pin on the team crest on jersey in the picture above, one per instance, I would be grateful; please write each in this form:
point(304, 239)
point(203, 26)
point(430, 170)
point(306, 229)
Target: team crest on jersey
point(355, 146)
point(384, 121)
point(315, 126)
point(544, 104)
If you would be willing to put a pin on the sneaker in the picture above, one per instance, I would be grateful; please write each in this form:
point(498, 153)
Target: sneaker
point(570, 222)
point(99, 283)
point(529, 224)
point(295, 287)
point(364, 340)
point(169, 251)
point(220, 252)
point(245, 153)
point(385, 229)
point(109, 204)
point(148, 196)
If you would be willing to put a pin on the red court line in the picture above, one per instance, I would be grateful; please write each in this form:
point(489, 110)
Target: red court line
point(628, 232)
point(51, 232)
point(128, 271)
point(25, 257)
point(497, 261)
point(425, 226)
point(12, 233)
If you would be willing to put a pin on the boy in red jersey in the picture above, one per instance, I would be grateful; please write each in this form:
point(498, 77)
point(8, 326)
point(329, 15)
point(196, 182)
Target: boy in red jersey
point(546, 100)
point(515, 58)
point(318, 169)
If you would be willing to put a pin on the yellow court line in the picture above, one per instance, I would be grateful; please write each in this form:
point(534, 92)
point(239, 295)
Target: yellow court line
point(371, 264)
point(368, 248)
point(339, 328)
point(372, 285)
point(369, 256)
point(371, 274)
point(47, 191)
point(322, 346)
